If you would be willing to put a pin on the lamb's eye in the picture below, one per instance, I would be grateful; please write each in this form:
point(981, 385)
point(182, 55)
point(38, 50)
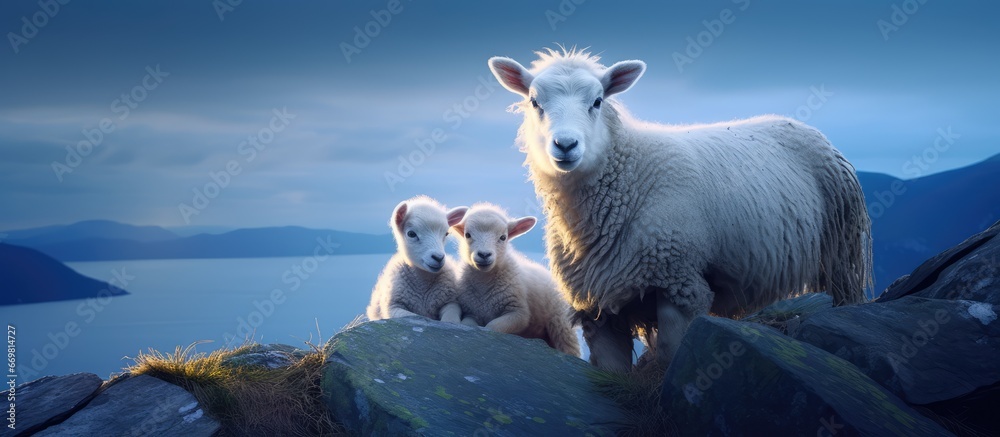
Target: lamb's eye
point(503, 238)
point(468, 235)
point(597, 103)
point(534, 103)
point(411, 234)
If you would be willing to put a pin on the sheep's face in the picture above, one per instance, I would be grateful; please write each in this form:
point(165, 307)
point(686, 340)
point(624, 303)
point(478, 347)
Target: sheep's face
point(564, 118)
point(484, 235)
point(421, 230)
point(564, 129)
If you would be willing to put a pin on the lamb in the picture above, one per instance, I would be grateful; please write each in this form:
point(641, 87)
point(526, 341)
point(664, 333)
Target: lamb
point(652, 225)
point(504, 290)
point(419, 279)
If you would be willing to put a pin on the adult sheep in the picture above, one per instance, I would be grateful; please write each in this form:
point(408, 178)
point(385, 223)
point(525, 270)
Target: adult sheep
point(652, 225)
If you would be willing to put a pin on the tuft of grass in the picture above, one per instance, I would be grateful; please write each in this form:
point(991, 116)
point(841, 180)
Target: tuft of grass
point(248, 400)
point(637, 393)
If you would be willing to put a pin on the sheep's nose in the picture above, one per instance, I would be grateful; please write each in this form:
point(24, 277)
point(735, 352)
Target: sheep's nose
point(484, 255)
point(437, 257)
point(565, 144)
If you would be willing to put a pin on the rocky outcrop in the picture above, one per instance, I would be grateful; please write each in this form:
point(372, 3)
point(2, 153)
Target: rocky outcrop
point(413, 376)
point(922, 350)
point(267, 356)
point(49, 400)
point(738, 378)
point(968, 271)
point(78, 405)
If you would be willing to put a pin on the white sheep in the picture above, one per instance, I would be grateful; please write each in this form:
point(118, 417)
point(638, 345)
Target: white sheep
point(502, 289)
point(419, 279)
point(652, 225)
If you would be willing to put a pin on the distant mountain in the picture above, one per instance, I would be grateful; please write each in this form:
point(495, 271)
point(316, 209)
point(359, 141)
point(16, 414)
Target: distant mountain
point(87, 230)
point(187, 231)
point(29, 276)
point(241, 243)
point(915, 219)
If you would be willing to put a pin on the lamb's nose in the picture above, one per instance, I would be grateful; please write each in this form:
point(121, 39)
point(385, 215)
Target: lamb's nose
point(437, 257)
point(484, 255)
point(565, 144)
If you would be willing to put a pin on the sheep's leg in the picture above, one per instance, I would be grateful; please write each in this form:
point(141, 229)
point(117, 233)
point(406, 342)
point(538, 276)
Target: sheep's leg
point(469, 321)
point(610, 342)
point(674, 312)
point(511, 323)
point(451, 313)
point(397, 311)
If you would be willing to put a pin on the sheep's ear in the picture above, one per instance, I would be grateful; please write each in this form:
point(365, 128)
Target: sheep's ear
point(520, 226)
point(456, 215)
point(511, 74)
point(398, 216)
point(621, 76)
point(459, 229)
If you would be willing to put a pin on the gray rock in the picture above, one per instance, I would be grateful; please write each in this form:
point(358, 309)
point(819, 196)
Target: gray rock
point(141, 405)
point(414, 376)
point(922, 350)
point(968, 271)
point(48, 400)
point(785, 315)
point(732, 378)
point(270, 356)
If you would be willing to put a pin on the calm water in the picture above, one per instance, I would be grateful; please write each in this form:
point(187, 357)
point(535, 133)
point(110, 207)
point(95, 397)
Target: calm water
point(179, 302)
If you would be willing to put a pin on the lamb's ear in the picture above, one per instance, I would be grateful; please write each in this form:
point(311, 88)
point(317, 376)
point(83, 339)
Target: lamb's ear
point(621, 76)
point(520, 226)
point(398, 215)
point(459, 229)
point(511, 74)
point(456, 215)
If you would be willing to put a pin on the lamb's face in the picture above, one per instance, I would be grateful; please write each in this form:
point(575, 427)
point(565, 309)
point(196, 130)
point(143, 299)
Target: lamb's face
point(484, 237)
point(421, 230)
point(564, 129)
point(484, 240)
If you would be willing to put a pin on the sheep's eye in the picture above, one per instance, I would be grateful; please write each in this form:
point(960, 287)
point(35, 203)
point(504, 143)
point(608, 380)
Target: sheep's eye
point(468, 235)
point(597, 103)
point(503, 238)
point(411, 234)
point(534, 103)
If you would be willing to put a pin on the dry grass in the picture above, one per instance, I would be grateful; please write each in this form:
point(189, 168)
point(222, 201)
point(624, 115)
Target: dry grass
point(637, 393)
point(248, 400)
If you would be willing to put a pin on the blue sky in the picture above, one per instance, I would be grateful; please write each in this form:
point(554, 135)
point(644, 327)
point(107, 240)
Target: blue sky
point(347, 121)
